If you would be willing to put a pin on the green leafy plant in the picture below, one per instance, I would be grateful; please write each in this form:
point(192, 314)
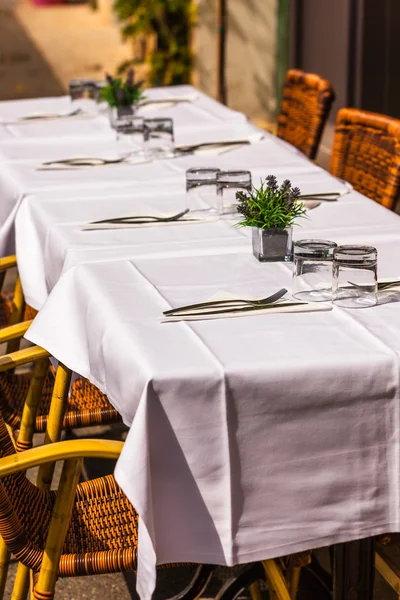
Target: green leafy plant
point(170, 22)
point(119, 93)
point(270, 206)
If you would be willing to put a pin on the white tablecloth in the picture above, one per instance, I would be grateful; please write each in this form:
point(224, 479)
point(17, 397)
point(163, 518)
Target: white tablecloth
point(203, 110)
point(249, 438)
point(202, 120)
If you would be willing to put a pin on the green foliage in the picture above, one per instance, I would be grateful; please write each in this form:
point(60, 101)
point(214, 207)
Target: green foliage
point(119, 93)
point(170, 21)
point(270, 206)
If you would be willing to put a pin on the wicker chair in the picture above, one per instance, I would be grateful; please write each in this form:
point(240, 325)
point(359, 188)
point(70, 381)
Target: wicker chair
point(86, 406)
point(366, 153)
point(306, 103)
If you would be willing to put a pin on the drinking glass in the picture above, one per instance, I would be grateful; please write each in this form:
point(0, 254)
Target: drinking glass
point(312, 270)
point(130, 130)
point(159, 137)
point(355, 283)
point(228, 183)
point(201, 191)
point(81, 89)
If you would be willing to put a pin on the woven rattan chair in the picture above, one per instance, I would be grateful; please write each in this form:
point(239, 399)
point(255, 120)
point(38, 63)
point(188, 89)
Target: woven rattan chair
point(306, 103)
point(366, 153)
point(86, 407)
point(27, 401)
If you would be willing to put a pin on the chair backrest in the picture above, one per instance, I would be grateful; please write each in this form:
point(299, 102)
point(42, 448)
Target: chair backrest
point(25, 510)
point(366, 153)
point(306, 103)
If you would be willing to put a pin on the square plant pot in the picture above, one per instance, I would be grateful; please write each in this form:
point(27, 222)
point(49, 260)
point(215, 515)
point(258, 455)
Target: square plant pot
point(272, 245)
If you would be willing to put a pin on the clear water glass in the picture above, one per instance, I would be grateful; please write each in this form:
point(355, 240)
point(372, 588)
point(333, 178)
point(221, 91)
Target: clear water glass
point(355, 281)
point(159, 137)
point(228, 183)
point(81, 89)
point(201, 191)
point(130, 130)
point(312, 270)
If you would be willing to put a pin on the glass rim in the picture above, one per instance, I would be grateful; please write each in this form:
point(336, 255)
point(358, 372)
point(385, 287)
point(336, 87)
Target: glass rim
point(83, 81)
point(203, 170)
point(159, 120)
point(238, 173)
point(319, 244)
point(354, 250)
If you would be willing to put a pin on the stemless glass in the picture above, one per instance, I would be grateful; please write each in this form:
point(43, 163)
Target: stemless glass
point(228, 183)
point(201, 191)
point(81, 89)
point(312, 270)
point(159, 137)
point(355, 283)
point(130, 130)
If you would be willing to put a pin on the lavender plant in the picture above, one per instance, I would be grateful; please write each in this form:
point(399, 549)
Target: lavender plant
point(119, 93)
point(270, 206)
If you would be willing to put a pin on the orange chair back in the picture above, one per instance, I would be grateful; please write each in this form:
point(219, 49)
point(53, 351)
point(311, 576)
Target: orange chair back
point(366, 153)
point(306, 103)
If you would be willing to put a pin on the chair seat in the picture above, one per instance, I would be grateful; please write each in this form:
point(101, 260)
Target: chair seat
point(86, 406)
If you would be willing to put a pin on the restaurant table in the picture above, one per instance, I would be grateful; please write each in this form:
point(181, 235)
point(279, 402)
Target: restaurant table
point(250, 437)
point(21, 159)
point(94, 121)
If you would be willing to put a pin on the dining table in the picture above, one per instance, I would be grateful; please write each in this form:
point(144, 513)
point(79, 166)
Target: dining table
point(252, 435)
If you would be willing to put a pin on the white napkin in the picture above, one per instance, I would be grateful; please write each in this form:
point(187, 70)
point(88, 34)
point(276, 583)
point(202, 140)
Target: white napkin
point(196, 315)
point(328, 195)
point(162, 103)
point(35, 117)
point(216, 150)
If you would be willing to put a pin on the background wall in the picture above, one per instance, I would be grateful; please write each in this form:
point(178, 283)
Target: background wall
point(251, 55)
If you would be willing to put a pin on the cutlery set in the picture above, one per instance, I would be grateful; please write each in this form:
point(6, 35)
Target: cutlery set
point(139, 219)
point(82, 161)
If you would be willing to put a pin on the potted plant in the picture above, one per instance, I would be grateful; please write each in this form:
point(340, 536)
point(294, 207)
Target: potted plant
point(271, 210)
point(122, 97)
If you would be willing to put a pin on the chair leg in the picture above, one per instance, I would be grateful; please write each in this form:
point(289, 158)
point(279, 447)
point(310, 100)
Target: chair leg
point(275, 580)
point(33, 398)
point(21, 583)
point(255, 591)
point(18, 307)
point(44, 589)
point(294, 582)
point(4, 562)
point(53, 434)
point(55, 419)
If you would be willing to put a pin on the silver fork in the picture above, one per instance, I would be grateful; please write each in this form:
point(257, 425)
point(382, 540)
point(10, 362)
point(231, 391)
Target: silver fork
point(142, 219)
point(226, 303)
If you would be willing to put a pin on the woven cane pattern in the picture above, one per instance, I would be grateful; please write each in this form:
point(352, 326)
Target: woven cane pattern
point(366, 153)
point(5, 308)
point(29, 313)
point(305, 107)
point(102, 536)
point(86, 404)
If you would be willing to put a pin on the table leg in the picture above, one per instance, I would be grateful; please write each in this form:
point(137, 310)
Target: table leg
point(354, 570)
